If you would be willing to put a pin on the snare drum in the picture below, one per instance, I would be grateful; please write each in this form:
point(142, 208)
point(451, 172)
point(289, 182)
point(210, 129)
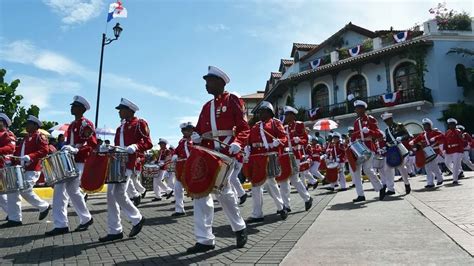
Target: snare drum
point(12, 179)
point(430, 154)
point(116, 167)
point(393, 157)
point(206, 171)
point(263, 166)
point(378, 162)
point(360, 151)
point(332, 172)
point(289, 166)
point(59, 167)
point(305, 165)
point(150, 170)
point(403, 150)
point(180, 169)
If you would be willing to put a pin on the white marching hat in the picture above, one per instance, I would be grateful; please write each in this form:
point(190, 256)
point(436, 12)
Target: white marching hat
point(360, 103)
point(267, 105)
point(186, 124)
point(213, 71)
point(34, 119)
point(124, 103)
point(461, 127)
point(6, 118)
point(290, 109)
point(452, 120)
point(386, 116)
point(427, 121)
point(82, 101)
point(336, 134)
point(160, 140)
point(350, 128)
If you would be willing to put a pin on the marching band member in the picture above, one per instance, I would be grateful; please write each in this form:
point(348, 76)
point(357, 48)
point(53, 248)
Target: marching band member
point(132, 135)
point(267, 135)
point(306, 174)
point(454, 147)
point(164, 157)
point(182, 152)
point(31, 150)
point(467, 139)
point(366, 130)
point(223, 119)
point(396, 133)
point(7, 147)
point(433, 138)
point(170, 172)
point(315, 151)
point(336, 153)
point(81, 141)
point(297, 139)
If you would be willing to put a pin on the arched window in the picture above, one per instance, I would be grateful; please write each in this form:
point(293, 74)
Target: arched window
point(461, 77)
point(320, 96)
point(405, 76)
point(357, 86)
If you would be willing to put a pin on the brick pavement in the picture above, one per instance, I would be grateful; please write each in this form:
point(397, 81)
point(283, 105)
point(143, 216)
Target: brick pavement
point(164, 239)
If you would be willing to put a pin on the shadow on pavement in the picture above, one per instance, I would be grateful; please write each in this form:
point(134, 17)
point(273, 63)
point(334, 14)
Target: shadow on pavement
point(426, 189)
point(350, 205)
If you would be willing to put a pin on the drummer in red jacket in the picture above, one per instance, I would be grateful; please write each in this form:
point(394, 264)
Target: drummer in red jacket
point(133, 136)
point(81, 140)
point(467, 139)
point(433, 138)
point(164, 158)
point(316, 152)
point(336, 153)
point(454, 148)
point(7, 147)
point(31, 150)
point(366, 129)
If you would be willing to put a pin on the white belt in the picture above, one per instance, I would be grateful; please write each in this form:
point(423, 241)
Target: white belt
point(218, 133)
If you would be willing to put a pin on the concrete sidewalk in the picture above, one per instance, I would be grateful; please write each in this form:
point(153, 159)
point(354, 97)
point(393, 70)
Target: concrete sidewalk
point(388, 232)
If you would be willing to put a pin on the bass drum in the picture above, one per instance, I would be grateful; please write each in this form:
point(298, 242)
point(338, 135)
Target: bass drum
point(94, 174)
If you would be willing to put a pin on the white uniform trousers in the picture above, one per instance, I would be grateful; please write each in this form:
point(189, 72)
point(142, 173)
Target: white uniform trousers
point(170, 179)
point(387, 175)
point(432, 169)
point(3, 203)
point(60, 201)
point(257, 197)
point(235, 182)
point(135, 188)
point(285, 188)
point(14, 201)
point(132, 192)
point(116, 199)
point(179, 197)
point(158, 186)
point(341, 178)
point(454, 159)
point(314, 170)
point(204, 214)
point(369, 171)
point(467, 160)
point(410, 164)
point(306, 175)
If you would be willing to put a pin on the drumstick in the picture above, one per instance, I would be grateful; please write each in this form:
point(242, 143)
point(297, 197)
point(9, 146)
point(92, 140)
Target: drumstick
point(117, 147)
point(13, 157)
point(220, 142)
point(271, 136)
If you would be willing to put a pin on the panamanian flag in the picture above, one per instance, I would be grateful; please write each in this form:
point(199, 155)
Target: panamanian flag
point(355, 51)
point(401, 36)
point(391, 99)
point(116, 10)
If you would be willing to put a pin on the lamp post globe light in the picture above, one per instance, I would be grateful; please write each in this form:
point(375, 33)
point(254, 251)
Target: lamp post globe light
point(105, 41)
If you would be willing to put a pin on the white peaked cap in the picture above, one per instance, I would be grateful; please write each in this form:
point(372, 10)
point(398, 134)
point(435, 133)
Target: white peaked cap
point(6, 118)
point(34, 119)
point(386, 116)
point(336, 134)
point(452, 120)
point(213, 71)
point(287, 109)
point(267, 105)
point(81, 100)
point(350, 128)
point(160, 140)
point(186, 124)
point(461, 127)
point(124, 103)
point(427, 121)
point(360, 103)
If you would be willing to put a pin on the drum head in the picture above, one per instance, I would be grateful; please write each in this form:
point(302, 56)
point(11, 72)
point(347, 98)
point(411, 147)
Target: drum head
point(394, 157)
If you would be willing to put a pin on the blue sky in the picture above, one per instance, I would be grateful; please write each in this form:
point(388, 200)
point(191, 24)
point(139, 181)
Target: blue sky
point(53, 47)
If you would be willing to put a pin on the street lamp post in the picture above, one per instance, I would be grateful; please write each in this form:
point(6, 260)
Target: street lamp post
point(105, 41)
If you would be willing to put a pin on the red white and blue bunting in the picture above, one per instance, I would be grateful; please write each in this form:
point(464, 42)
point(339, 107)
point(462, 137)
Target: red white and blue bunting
point(391, 99)
point(355, 51)
point(401, 36)
point(314, 113)
point(315, 63)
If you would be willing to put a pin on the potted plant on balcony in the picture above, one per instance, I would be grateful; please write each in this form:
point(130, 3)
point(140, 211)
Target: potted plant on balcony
point(451, 19)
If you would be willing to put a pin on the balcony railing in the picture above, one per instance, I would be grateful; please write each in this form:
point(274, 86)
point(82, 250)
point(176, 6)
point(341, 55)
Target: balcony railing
point(375, 102)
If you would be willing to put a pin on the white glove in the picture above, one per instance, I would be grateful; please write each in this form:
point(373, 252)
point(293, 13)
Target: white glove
point(234, 148)
point(296, 140)
point(247, 151)
point(399, 139)
point(337, 160)
point(73, 150)
point(275, 143)
point(323, 157)
point(196, 138)
point(66, 148)
point(365, 130)
point(131, 149)
point(411, 143)
point(380, 151)
point(160, 164)
point(25, 158)
point(432, 140)
point(174, 158)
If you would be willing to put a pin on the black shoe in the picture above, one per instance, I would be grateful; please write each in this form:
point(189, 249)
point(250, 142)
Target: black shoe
point(389, 193)
point(176, 214)
point(44, 213)
point(6, 218)
point(308, 204)
point(252, 220)
point(137, 228)
point(169, 195)
point(243, 198)
point(400, 179)
point(86, 197)
point(359, 199)
point(412, 175)
point(111, 237)
point(352, 186)
point(84, 227)
point(283, 214)
point(9, 224)
point(156, 199)
point(58, 231)
point(429, 186)
point(288, 209)
point(342, 189)
point(455, 183)
point(439, 183)
point(241, 238)
point(136, 201)
point(461, 175)
point(315, 185)
point(144, 194)
point(382, 193)
point(199, 248)
point(407, 189)
point(330, 188)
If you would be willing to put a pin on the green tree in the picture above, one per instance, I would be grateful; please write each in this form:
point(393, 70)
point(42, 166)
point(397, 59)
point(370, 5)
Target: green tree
point(462, 112)
point(10, 104)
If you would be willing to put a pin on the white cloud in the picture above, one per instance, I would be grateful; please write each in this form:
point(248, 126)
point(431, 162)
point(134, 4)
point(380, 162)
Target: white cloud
point(73, 12)
point(213, 28)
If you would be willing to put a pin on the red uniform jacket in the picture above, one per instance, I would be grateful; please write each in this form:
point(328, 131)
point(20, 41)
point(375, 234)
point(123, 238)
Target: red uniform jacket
point(273, 127)
point(230, 122)
point(36, 147)
point(369, 122)
point(81, 134)
point(7, 145)
point(467, 141)
point(136, 132)
point(336, 151)
point(184, 148)
point(424, 139)
point(453, 141)
point(163, 156)
point(315, 152)
point(297, 129)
